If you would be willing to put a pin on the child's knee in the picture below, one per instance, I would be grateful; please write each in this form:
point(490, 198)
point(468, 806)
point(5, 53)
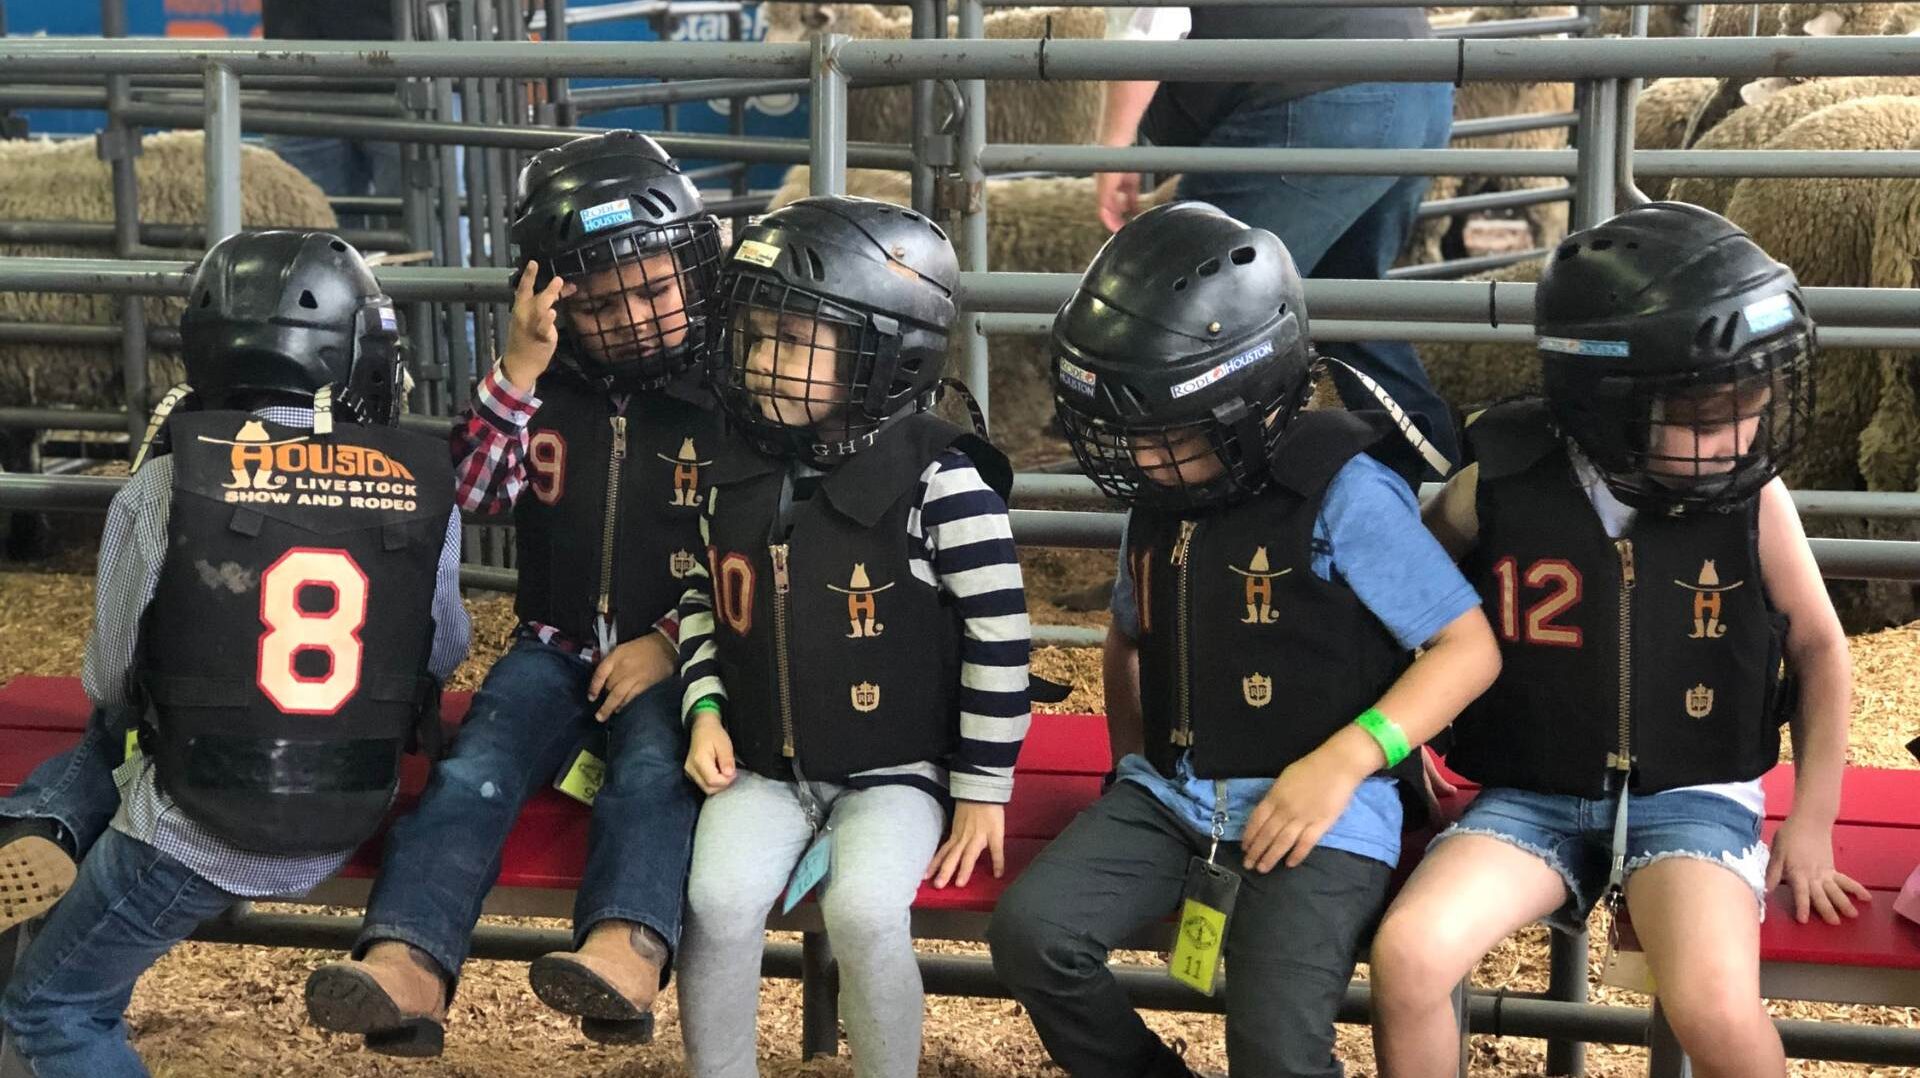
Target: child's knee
point(1029, 948)
point(720, 903)
point(1706, 1012)
point(1409, 958)
point(853, 917)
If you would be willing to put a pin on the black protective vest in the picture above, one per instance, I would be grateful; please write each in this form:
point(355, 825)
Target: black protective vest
point(1247, 658)
point(1661, 646)
point(831, 650)
point(577, 546)
point(284, 654)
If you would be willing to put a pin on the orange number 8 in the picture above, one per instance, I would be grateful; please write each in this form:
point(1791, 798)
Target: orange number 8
point(291, 630)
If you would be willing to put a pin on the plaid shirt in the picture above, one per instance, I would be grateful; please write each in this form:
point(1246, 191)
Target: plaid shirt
point(133, 550)
point(489, 446)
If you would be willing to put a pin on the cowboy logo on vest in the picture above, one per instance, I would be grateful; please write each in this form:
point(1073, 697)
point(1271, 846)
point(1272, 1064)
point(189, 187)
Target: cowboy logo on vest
point(686, 476)
point(1260, 575)
point(862, 609)
point(865, 696)
point(1699, 701)
point(321, 474)
point(1257, 689)
point(1706, 611)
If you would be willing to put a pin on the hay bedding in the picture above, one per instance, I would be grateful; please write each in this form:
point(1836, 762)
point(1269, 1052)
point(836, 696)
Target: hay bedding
point(212, 1010)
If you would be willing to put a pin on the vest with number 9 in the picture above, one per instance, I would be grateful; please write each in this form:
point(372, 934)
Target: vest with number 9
point(283, 658)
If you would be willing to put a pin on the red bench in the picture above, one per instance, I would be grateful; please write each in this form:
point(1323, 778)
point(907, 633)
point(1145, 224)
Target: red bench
point(1873, 960)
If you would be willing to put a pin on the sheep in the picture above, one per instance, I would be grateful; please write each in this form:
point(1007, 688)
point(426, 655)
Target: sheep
point(1034, 225)
point(1660, 119)
point(1752, 126)
point(66, 181)
point(1018, 111)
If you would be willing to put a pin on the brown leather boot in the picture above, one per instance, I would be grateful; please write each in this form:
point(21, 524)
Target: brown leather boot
point(35, 871)
point(396, 996)
point(609, 982)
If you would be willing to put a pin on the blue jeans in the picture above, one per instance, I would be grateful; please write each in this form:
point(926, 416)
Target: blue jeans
point(1574, 836)
point(526, 720)
point(343, 167)
point(65, 1007)
point(75, 789)
point(1348, 227)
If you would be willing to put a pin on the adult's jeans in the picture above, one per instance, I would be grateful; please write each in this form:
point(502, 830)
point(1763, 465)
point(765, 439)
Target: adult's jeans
point(1350, 227)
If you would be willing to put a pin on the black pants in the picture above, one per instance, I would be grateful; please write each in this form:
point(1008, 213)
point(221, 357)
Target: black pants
point(1118, 869)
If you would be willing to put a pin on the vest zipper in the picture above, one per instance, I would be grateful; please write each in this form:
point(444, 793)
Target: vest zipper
point(781, 585)
point(1621, 760)
point(1183, 727)
point(614, 462)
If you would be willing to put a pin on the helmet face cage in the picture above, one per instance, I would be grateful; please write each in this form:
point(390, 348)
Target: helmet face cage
point(1704, 439)
point(637, 314)
point(797, 372)
point(1184, 465)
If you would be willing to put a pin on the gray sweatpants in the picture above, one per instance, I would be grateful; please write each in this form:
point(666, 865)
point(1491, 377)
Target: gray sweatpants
point(749, 838)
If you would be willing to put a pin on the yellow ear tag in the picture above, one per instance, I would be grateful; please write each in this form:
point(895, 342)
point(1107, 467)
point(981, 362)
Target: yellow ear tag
point(584, 778)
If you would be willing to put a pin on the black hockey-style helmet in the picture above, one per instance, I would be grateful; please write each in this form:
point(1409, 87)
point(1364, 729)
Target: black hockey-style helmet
point(287, 313)
point(614, 216)
point(1186, 338)
point(1675, 353)
point(835, 312)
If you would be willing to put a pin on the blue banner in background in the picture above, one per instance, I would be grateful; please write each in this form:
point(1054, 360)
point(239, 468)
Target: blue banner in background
point(784, 115)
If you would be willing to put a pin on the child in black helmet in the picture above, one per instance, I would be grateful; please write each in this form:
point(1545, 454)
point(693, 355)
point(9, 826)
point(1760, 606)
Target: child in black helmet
point(602, 473)
point(277, 601)
point(856, 646)
point(1259, 692)
point(1648, 573)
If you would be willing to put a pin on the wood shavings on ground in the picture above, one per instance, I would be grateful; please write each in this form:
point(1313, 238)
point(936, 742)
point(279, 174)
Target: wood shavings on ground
point(213, 1011)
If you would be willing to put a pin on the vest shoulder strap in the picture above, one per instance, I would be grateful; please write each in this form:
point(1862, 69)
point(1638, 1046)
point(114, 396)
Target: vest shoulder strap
point(1511, 437)
point(1316, 445)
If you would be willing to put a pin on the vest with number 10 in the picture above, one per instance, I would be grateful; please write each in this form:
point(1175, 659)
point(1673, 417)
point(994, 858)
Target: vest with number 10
point(832, 652)
point(1659, 649)
point(283, 657)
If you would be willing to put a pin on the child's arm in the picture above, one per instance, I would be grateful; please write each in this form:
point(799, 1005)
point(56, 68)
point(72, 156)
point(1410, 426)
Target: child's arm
point(489, 440)
point(133, 548)
point(1407, 580)
point(969, 543)
point(1453, 516)
point(1120, 670)
point(1456, 667)
point(710, 750)
point(1816, 648)
point(452, 628)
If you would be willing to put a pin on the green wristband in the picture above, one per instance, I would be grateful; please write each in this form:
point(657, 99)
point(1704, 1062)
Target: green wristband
point(1385, 733)
point(705, 703)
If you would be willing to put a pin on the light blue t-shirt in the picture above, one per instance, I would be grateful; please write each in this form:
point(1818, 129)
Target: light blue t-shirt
point(1369, 537)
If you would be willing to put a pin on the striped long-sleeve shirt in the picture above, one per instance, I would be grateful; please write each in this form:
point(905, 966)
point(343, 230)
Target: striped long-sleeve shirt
point(962, 543)
point(133, 550)
point(489, 445)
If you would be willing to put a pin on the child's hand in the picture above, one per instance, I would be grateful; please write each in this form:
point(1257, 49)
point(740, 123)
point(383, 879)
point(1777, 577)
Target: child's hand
point(1305, 800)
point(710, 755)
point(532, 331)
point(977, 827)
point(1803, 857)
point(629, 670)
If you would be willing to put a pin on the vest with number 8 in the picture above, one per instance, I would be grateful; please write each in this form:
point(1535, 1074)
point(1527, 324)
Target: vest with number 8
point(283, 658)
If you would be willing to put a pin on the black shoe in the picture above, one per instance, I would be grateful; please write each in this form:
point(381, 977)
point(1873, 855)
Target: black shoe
point(36, 869)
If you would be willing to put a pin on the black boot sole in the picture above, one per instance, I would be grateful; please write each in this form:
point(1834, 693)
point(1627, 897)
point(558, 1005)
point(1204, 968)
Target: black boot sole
point(351, 1001)
point(607, 1017)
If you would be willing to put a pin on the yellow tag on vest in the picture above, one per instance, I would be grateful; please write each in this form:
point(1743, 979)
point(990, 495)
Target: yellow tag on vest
point(1205, 907)
point(583, 779)
point(133, 744)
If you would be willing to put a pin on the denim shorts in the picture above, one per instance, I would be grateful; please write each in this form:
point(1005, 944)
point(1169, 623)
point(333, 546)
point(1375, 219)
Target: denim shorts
point(1574, 836)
